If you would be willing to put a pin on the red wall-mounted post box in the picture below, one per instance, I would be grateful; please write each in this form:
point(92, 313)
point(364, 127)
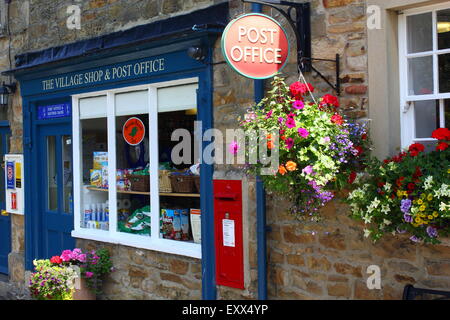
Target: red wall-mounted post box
point(228, 233)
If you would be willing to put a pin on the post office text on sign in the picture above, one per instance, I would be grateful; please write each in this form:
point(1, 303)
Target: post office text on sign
point(255, 45)
point(267, 55)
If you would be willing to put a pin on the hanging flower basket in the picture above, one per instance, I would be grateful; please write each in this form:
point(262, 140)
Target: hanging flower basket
point(407, 194)
point(318, 149)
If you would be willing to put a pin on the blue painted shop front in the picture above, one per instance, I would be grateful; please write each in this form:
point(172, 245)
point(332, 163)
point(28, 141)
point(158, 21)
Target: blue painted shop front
point(49, 218)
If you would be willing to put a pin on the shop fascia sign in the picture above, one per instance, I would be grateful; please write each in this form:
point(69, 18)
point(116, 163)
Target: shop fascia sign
point(255, 45)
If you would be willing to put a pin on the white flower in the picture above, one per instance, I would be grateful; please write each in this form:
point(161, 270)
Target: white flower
point(442, 206)
point(428, 182)
point(386, 222)
point(367, 233)
point(367, 219)
point(385, 209)
point(393, 233)
point(387, 187)
point(375, 203)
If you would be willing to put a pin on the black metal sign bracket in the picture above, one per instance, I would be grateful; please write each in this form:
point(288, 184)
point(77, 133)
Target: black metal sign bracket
point(301, 25)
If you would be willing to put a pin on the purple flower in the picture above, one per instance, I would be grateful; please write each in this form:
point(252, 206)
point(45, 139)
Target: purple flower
point(405, 205)
point(408, 218)
point(307, 170)
point(298, 104)
point(326, 140)
point(414, 239)
point(280, 119)
point(290, 123)
point(289, 143)
point(400, 230)
point(303, 132)
point(432, 232)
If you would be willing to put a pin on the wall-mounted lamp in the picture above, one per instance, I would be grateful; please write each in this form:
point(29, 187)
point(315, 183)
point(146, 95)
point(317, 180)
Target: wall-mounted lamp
point(5, 91)
point(196, 53)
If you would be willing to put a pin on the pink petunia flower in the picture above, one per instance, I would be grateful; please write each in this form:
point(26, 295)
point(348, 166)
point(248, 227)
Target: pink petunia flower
point(89, 274)
point(290, 123)
point(234, 147)
point(298, 104)
point(303, 132)
point(289, 143)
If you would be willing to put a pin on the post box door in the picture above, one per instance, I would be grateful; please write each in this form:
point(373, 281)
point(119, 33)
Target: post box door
point(228, 233)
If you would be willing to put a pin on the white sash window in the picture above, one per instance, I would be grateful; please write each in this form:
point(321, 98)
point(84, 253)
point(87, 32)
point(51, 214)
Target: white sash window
point(424, 52)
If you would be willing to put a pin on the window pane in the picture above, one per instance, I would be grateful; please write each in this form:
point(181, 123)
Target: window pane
point(52, 188)
point(444, 73)
point(447, 113)
point(443, 29)
point(426, 115)
point(67, 173)
point(94, 197)
point(420, 31)
point(179, 194)
point(132, 163)
point(420, 75)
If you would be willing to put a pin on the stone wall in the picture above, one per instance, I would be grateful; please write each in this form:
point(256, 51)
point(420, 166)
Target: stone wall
point(329, 260)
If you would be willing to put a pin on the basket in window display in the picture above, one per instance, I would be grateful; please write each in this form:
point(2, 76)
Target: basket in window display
point(165, 184)
point(139, 182)
point(182, 183)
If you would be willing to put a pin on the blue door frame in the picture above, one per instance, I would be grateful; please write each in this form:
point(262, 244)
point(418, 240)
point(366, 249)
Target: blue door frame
point(34, 96)
point(5, 221)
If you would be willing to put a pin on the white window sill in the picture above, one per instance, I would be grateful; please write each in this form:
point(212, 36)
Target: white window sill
point(181, 248)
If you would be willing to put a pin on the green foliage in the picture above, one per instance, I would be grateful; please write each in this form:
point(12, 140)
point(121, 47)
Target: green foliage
point(408, 193)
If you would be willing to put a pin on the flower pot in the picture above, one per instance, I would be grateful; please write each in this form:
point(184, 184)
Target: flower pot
point(82, 291)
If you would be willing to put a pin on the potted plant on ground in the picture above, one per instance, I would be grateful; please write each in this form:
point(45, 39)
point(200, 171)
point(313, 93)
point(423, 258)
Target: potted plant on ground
point(52, 281)
point(74, 275)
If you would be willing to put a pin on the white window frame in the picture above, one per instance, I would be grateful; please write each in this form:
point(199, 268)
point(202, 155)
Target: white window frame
point(154, 242)
point(408, 127)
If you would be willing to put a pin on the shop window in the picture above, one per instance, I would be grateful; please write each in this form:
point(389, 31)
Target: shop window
point(424, 47)
point(123, 176)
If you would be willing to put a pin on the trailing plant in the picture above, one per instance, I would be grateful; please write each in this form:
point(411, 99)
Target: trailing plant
point(408, 193)
point(318, 148)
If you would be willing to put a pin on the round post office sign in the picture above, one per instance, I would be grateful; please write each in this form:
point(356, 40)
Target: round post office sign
point(133, 131)
point(255, 45)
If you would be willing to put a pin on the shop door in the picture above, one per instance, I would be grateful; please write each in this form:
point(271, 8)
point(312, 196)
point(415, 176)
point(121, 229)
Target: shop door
point(55, 189)
point(5, 220)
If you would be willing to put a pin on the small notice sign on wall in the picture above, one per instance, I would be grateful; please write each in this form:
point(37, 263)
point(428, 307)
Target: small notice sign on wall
point(228, 233)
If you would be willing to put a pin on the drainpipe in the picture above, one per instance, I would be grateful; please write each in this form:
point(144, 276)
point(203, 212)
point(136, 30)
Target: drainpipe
point(260, 205)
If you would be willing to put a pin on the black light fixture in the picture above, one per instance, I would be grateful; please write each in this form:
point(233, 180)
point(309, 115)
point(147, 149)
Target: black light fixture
point(196, 53)
point(5, 91)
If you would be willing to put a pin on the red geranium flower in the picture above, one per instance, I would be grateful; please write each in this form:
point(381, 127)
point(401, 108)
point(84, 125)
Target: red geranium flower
point(442, 146)
point(416, 148)
point(364, 136)
point(411, 186)
point(56, 260)
point(331, 100)
point(359, 149)
point(399, 181)
point(298, 89)
point(417, 173)
point(336, 118)
point(441, 134)
point(352, 177)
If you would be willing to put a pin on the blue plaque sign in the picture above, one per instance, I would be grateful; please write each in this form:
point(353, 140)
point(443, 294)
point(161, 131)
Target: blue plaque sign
point(10, 176)
point(54, 111)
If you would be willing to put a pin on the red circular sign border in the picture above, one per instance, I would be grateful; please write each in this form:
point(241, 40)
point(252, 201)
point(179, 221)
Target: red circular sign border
point(224, 34)
point(123, 131)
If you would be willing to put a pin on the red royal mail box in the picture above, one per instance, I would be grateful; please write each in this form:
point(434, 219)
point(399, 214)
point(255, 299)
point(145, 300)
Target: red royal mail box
point(228, 233)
